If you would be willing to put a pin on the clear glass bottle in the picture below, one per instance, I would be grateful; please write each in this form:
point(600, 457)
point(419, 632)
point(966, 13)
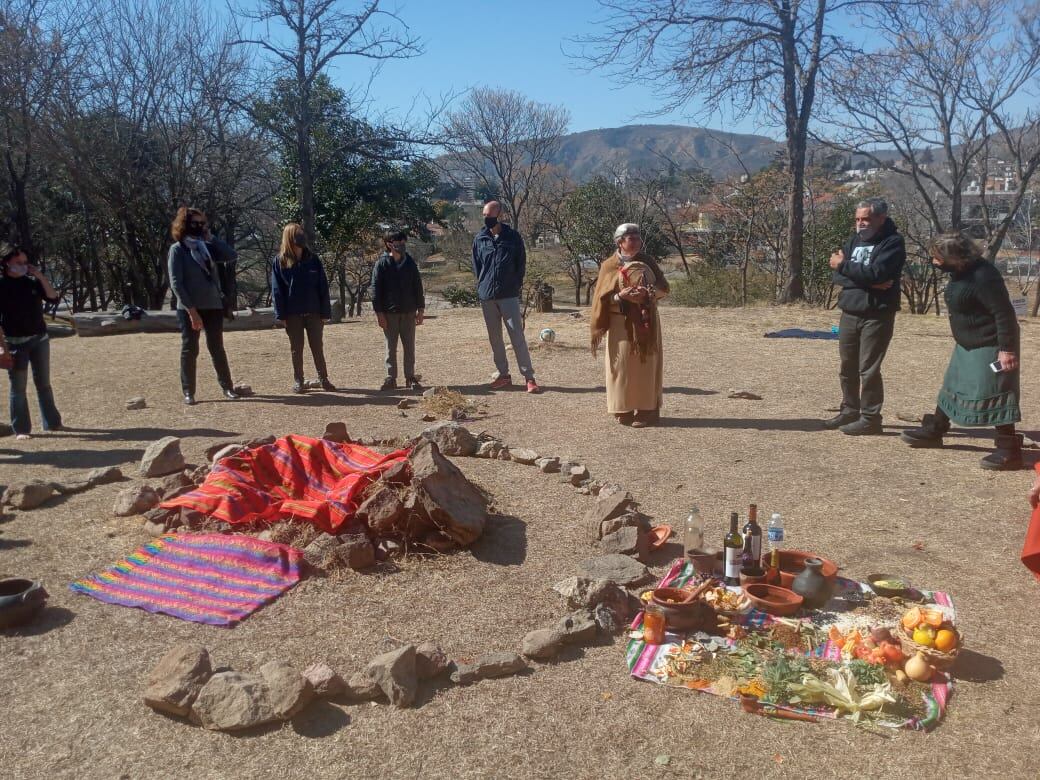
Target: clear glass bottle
point(693, 532)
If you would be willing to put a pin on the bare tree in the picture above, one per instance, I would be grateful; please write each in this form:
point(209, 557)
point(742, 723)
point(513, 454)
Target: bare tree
point(505, 143)
point(748, 54)
point(319, 33)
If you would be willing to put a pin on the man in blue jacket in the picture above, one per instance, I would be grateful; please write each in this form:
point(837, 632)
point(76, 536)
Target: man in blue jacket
point(868, 270)
point(499, 263)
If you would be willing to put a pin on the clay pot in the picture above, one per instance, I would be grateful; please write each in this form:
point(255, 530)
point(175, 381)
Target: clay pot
point(707, 561)
point(792, 563)
point(812, 586)
point(751, 575)
point(20, 600)
point(774, 600)
point(679, 613)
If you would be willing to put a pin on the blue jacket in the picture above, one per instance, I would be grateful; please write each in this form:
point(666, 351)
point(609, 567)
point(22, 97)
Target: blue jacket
point(499, 264)
point(301, 288)
point(397, 287)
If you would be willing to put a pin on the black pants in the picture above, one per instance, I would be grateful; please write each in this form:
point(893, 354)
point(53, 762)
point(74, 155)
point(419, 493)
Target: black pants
point(296, 325)
point(862, 344)
point(213, 324)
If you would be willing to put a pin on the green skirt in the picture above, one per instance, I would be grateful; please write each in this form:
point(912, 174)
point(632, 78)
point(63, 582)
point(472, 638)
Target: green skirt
point(973, 395)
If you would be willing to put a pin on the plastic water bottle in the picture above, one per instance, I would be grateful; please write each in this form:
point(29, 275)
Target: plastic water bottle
point(834, 328)
point(775, 531)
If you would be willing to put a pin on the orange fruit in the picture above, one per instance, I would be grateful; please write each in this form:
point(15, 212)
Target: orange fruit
point(945, 640)
point(933, 617)
point(912, 619)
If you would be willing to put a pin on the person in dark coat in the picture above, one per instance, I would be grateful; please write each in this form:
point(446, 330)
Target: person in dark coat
point(868, 270)
point(399, 304)
point(981, 386)
point(195, 281)
point(23, 338)
point(300, 291)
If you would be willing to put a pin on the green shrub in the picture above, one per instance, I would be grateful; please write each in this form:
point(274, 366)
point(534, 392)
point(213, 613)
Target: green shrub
point(720, 287)
point(460, 296)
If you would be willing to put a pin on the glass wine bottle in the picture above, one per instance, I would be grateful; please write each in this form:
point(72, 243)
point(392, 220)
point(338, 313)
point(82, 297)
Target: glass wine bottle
point(734, 545)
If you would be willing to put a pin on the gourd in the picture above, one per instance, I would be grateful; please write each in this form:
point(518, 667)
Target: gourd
point(918, 669)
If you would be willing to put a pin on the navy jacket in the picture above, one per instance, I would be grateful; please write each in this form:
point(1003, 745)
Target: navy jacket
point(879, 259)
point(397, 287)
point(302, 288)
point(499, 264)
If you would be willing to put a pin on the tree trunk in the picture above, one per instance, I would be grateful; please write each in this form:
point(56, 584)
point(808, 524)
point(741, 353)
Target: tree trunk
point(794, 290)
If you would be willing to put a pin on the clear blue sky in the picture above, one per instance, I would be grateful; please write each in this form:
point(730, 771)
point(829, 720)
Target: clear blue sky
point(514, 46)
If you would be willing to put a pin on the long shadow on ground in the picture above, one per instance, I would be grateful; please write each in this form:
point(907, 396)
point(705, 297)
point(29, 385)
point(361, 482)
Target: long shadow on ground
point(69, 459)
point(139, 434)
point(796, 424)
point(504, 541)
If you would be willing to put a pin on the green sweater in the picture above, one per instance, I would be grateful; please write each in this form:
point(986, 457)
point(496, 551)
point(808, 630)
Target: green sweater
point(981, 314)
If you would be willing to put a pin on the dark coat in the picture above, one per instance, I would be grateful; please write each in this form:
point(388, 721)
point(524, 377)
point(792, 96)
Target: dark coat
point(196, 288)
point(397, 287)
point(857, 274)
point(302, 288)
point(499, 263)
point(981, 313)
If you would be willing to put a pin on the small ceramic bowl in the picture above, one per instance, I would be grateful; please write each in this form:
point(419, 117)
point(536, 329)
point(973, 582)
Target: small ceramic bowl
point(773, 599)
point(751, 575)
point(792, 562)
point(706, 561)
point(659, 535)
point(887, 589)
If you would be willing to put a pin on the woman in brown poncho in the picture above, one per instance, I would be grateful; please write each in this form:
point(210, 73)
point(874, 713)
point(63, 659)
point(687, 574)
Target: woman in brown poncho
point(624, 310)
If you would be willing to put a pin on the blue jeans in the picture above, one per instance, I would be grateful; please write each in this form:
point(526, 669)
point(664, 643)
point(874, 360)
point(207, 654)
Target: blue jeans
point(37, 353)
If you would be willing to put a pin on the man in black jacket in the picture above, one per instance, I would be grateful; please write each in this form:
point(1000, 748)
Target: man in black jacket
point(868, 270)
point(399, 304)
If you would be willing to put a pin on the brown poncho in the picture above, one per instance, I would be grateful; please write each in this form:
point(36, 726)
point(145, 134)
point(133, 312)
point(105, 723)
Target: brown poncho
point(644, 340)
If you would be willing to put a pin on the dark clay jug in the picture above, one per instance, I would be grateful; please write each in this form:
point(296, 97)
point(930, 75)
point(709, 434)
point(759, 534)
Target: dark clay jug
point(811, 585)
point(20, 600)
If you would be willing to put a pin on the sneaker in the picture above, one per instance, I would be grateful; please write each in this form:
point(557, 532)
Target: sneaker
point(231, 395)
point(863, 427)
point(22, 436)
point(532, 387)
point(189, 399)
point(413, 384)
point(327, 385)
point(842, 418)
point(389, 384)
point(501, 382)
point(299, 386)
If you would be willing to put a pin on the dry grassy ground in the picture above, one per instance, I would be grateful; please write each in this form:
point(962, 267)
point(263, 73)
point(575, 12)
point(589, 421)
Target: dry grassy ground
point(70, 686)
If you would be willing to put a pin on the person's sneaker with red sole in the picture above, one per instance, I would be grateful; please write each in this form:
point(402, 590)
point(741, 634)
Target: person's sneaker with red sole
point(532, 387)
point(502, 382)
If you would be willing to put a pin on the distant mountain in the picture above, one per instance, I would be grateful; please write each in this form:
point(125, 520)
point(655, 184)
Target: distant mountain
point(640, 148)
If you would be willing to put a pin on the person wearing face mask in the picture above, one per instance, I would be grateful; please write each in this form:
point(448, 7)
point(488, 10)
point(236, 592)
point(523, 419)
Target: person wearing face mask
point(868, 270)
point(499, 263)
point(23, 338)
point(300, 292)
point(624, 312)
point(981, 385)
point(195, 281)
point(399, 304)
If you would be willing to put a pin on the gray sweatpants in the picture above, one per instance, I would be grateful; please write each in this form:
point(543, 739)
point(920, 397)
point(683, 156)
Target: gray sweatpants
point(507, 310)
point(400, 326)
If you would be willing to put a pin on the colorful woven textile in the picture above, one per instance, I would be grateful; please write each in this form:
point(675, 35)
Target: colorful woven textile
point(295, 478)
point(646, 662)
point(205, 578)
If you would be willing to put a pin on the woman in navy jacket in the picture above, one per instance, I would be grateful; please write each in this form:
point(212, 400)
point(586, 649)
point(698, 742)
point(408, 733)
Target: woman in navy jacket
point(300, 290)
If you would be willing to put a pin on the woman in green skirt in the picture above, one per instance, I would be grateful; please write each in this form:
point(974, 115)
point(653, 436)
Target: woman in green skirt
point(974, 392)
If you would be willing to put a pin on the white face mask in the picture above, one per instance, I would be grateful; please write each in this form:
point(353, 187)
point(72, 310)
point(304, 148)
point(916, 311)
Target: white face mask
point(16, 270)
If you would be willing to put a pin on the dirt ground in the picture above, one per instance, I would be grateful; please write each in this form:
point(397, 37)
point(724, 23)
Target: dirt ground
point(70, 685)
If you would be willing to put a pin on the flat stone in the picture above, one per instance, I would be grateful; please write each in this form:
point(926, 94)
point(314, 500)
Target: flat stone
point(524, 456)
point(137, 402)
point(624, 540)
point(499, 665)
point(579, 475)
point(361, 688)
point(162, 457)
point(489, 449)
point(72, 486)
point(226, 452)
point(395, 673)
point(28, 495)
point(542, 644)
point(430, 661)
point(325, 682)
point(175, 682)
point(356, 551)
point(105, 475)
point(288, 691)
point(451, 501)
point(213, 449)
point(747, 395)
point(135, 500)
point(619, 569)
point(548, 465)
point(321, 552)
point(464, 674)
point(578, 627)
point(452, 439)
point(233, 701)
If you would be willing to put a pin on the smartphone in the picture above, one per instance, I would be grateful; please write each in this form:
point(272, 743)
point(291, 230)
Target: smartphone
point(996, 367)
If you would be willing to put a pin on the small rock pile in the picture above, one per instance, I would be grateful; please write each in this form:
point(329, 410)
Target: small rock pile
point(34, 493)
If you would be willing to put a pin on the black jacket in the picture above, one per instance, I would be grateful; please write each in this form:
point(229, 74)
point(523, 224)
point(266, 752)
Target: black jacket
point(302, 288)
point(397, 287)
point(21, 306)
point(861, 269)
point(499, 264)
point(981, 314)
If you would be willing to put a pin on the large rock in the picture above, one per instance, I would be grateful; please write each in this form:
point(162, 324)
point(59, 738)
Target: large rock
point(609, 504)
point(619, 569)
point(175, 682)
point(430, 661)
point(356, 551)
point(104, 475)
point(395, 674)
point(233, 701)
point(578, 627)
point(452, 439)
point(450, 500)
point(336, 432)
point(488, 667)
point(361, 688)
point(162, 457)
point(548, 465)
point(629, 540)
point(489, 449)
point(527, 457)
point(28, 495)
point(325, 682)
point(321, 552)
point(542, 644)
point(383, 511)
point(135, 501)
point(288, 691)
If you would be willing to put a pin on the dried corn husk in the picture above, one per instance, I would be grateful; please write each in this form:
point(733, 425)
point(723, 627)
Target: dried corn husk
point(841, 693)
